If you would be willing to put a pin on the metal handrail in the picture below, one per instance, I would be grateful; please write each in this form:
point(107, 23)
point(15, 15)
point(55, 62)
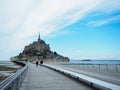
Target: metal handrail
point(106, 67)
point(14, 81)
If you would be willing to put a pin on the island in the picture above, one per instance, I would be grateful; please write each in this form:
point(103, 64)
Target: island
point(39, 50)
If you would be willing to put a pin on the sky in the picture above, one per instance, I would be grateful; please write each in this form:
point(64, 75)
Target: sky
point(78, 29)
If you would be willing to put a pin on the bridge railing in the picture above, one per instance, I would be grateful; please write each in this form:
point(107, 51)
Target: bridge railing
point(14, 81)
point(93, 82)
point(104, 67)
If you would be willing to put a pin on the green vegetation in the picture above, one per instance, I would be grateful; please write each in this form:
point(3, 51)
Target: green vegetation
point(2, 77)
point(5, 68)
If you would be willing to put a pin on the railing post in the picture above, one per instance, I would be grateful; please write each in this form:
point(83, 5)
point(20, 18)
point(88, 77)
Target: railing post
point(99, 66)
point(106, 67)
point(116, 68)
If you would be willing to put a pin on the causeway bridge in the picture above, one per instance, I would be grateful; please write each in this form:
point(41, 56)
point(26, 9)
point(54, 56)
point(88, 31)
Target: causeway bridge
point(55, 76)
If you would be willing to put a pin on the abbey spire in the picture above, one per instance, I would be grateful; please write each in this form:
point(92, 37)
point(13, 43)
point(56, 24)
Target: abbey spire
point(39, 39)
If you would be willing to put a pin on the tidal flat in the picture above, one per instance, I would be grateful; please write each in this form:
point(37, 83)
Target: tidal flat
point(6, 71)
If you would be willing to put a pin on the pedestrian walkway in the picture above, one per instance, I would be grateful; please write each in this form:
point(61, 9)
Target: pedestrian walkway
point(98, 74)
point(42, 78)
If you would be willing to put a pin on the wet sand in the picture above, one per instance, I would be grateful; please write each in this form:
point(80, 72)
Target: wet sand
point(6, 71)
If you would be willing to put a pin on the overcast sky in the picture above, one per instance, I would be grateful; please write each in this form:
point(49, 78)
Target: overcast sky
point(79, 29)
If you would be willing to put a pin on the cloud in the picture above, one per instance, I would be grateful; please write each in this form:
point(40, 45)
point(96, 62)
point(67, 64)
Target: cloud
point(46, 17)
point(21, 19)
point(107, 6)
point(104, 20)
point(106, 12)
point(51, 16)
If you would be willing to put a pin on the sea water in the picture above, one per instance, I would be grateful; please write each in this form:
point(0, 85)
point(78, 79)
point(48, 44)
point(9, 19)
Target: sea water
point(7, 64)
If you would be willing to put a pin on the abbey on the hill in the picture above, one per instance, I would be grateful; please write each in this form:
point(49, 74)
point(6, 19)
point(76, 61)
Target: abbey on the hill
point(40, 50)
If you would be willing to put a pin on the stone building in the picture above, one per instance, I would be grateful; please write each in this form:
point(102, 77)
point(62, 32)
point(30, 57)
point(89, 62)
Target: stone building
point(40, 50)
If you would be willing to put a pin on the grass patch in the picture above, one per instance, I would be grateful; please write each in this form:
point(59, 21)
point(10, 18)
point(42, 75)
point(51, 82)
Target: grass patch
point(5, 68)
point(2, 77)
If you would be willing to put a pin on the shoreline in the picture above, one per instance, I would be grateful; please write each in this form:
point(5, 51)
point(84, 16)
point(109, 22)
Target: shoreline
point(6, 71)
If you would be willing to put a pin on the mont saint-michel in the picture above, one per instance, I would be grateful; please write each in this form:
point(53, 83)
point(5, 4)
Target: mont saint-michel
point(40, 50)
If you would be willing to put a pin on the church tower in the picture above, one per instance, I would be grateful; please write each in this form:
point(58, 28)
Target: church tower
point(39, 39)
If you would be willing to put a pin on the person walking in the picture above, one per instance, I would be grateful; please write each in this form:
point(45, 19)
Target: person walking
point(41, 62)
point(37, 63)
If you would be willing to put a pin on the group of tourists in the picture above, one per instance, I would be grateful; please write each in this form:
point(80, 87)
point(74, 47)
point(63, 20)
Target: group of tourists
point(37, 62)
